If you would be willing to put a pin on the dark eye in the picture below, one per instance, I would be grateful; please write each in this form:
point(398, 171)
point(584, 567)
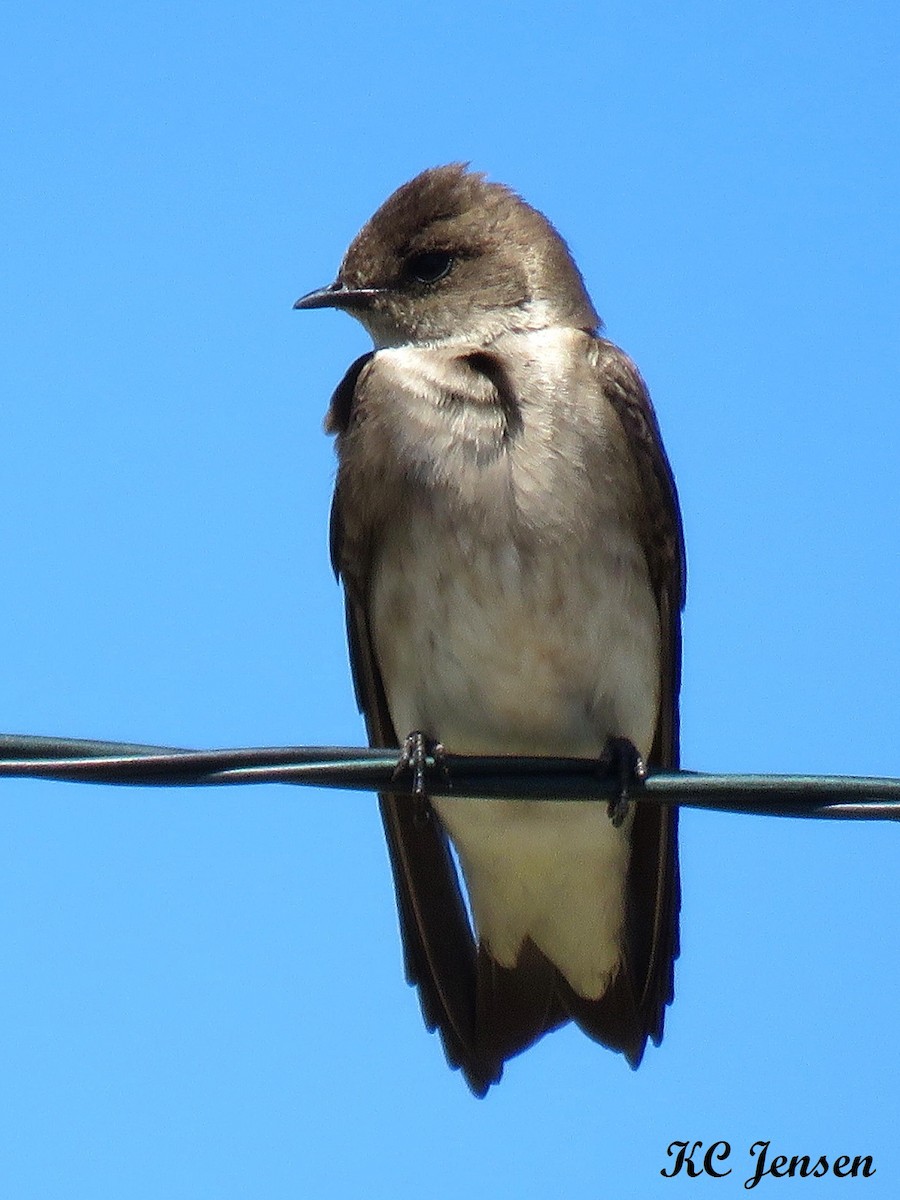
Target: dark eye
point(430, 266)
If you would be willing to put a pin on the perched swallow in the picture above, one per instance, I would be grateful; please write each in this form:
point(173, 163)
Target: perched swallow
point(507, 530)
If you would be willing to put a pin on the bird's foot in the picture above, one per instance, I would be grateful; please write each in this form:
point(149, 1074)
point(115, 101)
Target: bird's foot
point(414, 755)
point(620, 759)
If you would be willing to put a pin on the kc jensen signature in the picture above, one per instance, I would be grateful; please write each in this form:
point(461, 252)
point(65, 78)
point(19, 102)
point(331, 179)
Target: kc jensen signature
point(692, 1159)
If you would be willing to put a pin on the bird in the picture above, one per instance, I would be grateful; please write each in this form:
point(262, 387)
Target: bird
point(506, 528)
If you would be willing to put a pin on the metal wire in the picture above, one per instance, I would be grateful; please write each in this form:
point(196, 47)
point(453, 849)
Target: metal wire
point(75, 760)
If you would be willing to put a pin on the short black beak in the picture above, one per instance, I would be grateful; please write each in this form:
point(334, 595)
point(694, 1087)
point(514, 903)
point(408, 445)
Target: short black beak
point(337, 295)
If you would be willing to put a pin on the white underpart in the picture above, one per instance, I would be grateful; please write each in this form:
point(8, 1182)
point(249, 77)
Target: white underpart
point(501, 664)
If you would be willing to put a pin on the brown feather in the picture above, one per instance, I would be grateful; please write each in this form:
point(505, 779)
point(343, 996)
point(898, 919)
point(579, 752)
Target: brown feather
point(511, 272)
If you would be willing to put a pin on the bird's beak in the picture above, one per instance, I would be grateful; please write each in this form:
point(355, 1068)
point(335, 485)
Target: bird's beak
point(337, 295)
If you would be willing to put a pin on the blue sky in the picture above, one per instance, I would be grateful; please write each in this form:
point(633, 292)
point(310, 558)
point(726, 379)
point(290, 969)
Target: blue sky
point(202, 991)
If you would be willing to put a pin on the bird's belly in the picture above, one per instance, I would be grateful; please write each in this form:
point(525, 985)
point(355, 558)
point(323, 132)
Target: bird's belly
point(491, 653)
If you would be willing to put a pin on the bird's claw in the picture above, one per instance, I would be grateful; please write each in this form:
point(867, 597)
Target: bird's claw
point(620, 759)
point(414, 758)
point(414, 754)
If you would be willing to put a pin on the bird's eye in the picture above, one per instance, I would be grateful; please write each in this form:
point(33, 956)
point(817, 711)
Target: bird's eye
point(430, 266)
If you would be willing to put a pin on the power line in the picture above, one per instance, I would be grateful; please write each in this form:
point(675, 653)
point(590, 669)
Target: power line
point(76, 760)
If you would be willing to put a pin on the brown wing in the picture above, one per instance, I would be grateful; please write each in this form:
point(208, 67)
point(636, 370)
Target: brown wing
point(633, 1009)
point(438, 946)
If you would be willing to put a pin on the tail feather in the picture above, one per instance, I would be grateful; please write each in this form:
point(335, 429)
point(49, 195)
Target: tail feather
point(514, 1006)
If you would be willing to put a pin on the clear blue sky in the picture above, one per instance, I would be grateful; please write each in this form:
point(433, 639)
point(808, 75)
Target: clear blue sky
point(201, 992)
